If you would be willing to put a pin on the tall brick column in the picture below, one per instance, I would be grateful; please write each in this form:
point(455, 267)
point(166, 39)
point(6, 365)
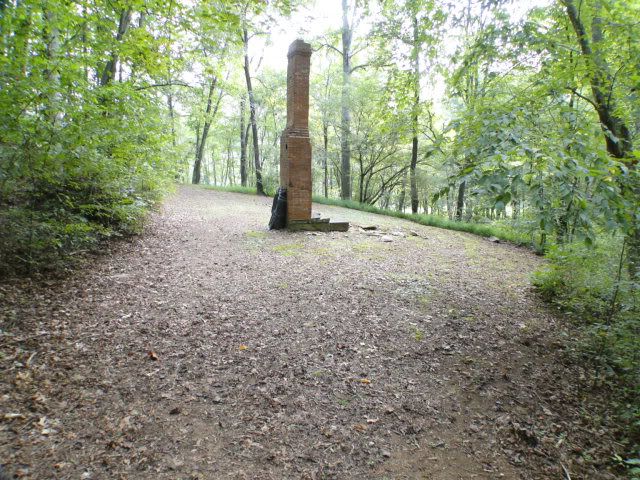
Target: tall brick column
point(295, 146)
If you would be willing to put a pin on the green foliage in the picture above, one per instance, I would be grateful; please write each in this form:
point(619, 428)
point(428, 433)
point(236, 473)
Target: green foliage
point(82, 155)
point(232, 188)
point(503, 232)
point(591, 285)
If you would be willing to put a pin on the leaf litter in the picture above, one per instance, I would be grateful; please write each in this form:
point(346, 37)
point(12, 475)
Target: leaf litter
point(179, 354)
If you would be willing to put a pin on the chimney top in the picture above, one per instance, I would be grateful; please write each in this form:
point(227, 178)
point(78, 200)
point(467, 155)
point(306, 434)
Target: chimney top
point(299, 47)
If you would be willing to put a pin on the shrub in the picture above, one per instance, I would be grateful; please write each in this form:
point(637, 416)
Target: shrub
point(593, 287)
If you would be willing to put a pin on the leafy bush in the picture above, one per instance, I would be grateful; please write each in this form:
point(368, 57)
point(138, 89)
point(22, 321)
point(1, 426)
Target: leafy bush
point(592, 285)
point(61, 220)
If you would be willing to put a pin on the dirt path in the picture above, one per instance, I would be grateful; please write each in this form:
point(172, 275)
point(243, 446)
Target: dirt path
point(210, 348)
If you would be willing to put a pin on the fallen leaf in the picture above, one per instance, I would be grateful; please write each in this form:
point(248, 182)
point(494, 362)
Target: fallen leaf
point(365, 381)
point(12, 416)
point(360, 427)
point(125, 423)
point(152, 355)
point(242, 347)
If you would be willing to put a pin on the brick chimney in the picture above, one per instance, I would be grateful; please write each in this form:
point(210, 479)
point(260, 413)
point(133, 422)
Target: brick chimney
point(295, 145)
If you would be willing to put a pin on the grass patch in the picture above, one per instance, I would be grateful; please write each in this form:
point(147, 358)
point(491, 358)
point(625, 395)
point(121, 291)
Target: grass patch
point(424, 299)
point(471, 250)
point(256, 234)
point(289, 249)
point(503, 232)
point(367, 247)
point(232, 188)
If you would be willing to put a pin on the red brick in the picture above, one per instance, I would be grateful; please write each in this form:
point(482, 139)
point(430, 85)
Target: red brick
point(295, 146)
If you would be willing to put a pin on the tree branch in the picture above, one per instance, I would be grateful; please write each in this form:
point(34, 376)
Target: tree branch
point(586, 99)
point(168, 84)
point(332, 48)
point(364, 65)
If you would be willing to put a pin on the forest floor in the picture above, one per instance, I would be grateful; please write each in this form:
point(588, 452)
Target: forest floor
point(211, 348)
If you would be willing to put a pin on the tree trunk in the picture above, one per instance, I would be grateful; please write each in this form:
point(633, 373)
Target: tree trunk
point(345, 124)
point(414, 116)
point(213, 168)
point(617, 135)
point(52, 110)
point(243, 146)
point(460, 200)
point(110, 69)
point(361, 175)
point(403, 192)
point(172, 117)
point(225, 169)
point(252, 115)
point(22, 35)
point(325, 167)
point(197, 149)
point(208, 118)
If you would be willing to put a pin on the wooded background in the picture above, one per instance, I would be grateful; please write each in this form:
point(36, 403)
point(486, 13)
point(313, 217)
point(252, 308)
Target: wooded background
point(470, 111)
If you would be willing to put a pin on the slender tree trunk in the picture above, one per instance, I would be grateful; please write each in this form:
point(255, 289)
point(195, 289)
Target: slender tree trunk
point(325, 160)
point(403, 192)
point(361, 175)
point(243, 146)
point(205, 170)
point(515, 211)
point(110, 69)
point(172, 117)
point(197, 149)
point(208, 118)
point(22, 35)
point(345, 125)
point(460, 200)
point(52, 34)
point(414, 115)
point(617, 135)
point(225, 170)
point(252, 115)
point(213, 168)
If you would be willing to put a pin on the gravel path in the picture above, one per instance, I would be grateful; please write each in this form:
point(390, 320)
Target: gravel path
point(211, 348)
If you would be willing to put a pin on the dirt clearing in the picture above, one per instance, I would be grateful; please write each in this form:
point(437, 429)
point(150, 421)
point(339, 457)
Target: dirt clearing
point(211, 348)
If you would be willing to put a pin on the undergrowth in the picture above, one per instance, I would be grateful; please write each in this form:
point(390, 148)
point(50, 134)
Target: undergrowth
point(49, 227)
point(591, 285)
